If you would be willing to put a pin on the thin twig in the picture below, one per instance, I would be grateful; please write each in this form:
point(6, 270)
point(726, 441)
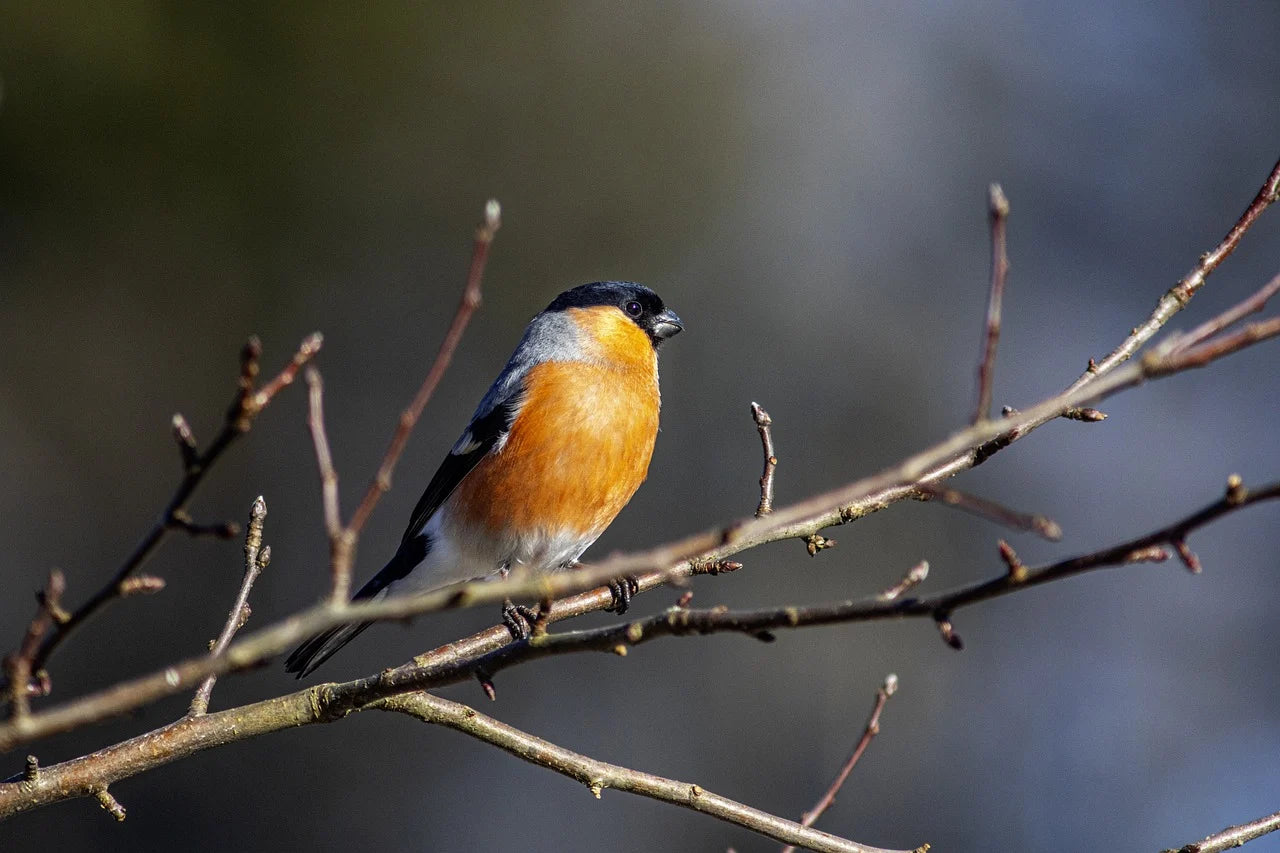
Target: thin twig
point(256, 559)
point(1181, 293)
point(764, 425)
point(998, 214)
point(989, 509)
point(872, 729)
point(240, 416)
point(1252, 305)
point(341, 541)
point(470, 301)
point(599, 775)
point(1233, 836)
point(20, 666)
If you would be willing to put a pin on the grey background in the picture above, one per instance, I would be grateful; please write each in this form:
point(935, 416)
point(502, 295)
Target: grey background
point(805, 184)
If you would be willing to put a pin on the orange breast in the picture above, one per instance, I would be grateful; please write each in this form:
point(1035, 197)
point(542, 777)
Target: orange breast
point(577, 452)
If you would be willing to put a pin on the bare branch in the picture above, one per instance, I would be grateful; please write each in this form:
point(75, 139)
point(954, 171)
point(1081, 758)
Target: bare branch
point(998, 214)
point(244, 409)
point(256, 559)
point(1181, 293)
point(20, 666)
point(764, 424)
point(341, 540)
point(1252, 305)
point(915, 576)
point(1233, 836)
point(381, 482)
point(872, 729)
point(599, 775)
point(984, 508)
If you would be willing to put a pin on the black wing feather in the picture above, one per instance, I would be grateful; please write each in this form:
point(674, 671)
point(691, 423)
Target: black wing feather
point(486, 431)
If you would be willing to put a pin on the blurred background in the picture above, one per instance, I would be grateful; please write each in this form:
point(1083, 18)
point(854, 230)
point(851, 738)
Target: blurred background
point(805, 184)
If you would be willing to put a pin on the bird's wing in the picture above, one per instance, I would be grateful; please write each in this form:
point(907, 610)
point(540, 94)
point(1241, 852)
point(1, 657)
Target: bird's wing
point(488, 429)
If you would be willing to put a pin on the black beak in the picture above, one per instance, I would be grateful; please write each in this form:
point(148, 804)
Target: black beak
point(666, 325)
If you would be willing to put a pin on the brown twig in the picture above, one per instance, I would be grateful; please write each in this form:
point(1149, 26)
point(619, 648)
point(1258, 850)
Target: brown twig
point(256, 558)
point(998, 214)
point(1252, 305)
point(20, 666)
point(1181, 293)
point(764, 425)
point(343, 538)
point(1038, 524)
point(1233, 836)
point(470, 301)
point(915, 576)
point(599, 775)
point(246, 406)
point(872, 729)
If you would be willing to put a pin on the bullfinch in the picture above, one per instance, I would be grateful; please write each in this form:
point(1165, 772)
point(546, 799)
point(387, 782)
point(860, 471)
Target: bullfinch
point(559, 444)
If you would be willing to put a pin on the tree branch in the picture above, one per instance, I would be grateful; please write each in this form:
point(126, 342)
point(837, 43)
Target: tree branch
point(872, 729)
point(244, 409)
point(256, 558)
point(1181, 293)
point(998, 214)
point(764, 425)
point(598, 775)
point(1233, 836)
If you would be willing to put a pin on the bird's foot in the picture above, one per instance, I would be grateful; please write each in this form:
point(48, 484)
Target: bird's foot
point(519, 619)
point(621, 590)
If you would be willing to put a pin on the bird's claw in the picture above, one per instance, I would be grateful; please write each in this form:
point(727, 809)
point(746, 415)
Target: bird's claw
point(519, 619)
point(621, 590)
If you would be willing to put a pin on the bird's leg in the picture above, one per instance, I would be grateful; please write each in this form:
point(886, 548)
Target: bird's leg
point(621, 590)
point(522, 621)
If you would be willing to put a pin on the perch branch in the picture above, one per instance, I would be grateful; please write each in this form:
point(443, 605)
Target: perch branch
point(984, 508)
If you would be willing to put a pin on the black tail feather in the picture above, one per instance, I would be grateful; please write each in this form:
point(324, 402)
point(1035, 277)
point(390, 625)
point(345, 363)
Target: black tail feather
point(322, 646)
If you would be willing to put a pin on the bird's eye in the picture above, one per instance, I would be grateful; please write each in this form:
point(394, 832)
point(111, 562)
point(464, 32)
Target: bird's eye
point(633, 308)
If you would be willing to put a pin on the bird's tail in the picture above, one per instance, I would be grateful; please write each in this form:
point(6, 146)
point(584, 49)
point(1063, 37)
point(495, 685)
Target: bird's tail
point(322, 646)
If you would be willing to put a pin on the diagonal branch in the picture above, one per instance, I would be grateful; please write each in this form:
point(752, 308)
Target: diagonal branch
point(245, 408)
point(872, 729)
point(598, 775)
point(342, 539)
point(1181, 293)
point(1233, 836)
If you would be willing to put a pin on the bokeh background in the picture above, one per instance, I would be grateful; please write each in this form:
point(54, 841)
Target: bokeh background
point(805, 183)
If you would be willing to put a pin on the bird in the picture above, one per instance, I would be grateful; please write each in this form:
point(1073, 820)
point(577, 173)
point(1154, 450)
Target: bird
point(556, 448)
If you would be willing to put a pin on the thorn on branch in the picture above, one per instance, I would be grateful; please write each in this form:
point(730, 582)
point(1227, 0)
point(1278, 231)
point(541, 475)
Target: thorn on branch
point(815, 542)
point(913, 578)
point(110, 804)
point(764, 425)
